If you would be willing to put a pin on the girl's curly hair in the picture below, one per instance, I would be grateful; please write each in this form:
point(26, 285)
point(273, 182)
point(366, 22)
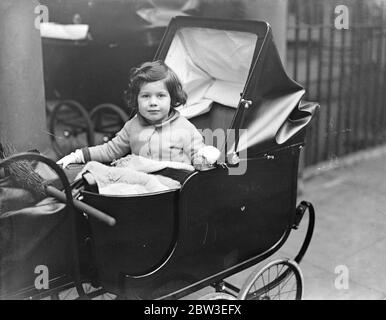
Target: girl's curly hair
point(151, 72)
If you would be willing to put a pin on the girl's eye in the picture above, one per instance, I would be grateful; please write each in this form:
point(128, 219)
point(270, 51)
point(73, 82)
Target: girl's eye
point(144, 96)
point(161, 95)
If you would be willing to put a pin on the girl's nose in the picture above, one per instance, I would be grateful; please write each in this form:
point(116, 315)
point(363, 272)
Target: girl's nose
point(153, 100)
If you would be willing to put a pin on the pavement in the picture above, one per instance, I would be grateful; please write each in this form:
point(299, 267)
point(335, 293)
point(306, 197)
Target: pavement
point(346, 258)
point(350, 232)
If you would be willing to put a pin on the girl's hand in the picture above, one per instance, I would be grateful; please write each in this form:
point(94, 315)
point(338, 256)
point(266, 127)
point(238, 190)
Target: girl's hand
point(210, 154)
point(73, 157)
point(206, 157)
point(201, 163)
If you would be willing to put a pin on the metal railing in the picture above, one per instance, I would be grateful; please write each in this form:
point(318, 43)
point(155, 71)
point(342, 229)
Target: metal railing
point(343, 69)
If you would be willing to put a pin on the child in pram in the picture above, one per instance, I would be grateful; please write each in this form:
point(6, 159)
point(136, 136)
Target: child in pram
point(158, 131)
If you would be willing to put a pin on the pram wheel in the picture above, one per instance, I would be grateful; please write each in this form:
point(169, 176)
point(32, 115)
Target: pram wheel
point(278, 280)
point(70, 127)
point(107, 120)
point(218, 296)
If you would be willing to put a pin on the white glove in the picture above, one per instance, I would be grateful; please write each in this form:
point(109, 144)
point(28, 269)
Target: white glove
point(206, 157)
point(210, 153)
point(73, 157)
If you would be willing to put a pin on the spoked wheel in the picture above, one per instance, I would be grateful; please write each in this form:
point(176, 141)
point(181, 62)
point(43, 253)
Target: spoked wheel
point(107, 120)
point(279, 280)
point(218, 296)
point(70, 127)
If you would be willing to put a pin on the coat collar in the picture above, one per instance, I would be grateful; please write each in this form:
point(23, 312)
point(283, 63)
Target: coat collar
point(173, 116)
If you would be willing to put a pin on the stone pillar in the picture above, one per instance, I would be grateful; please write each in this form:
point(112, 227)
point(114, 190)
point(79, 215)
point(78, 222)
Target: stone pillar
point(22, 100)
point(275, 12)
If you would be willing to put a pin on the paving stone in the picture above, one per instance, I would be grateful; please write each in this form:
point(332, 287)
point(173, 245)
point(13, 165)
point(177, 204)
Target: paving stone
point(367, 267)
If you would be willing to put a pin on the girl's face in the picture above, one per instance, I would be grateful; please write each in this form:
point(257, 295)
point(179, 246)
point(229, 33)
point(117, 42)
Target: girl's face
point(154, 101)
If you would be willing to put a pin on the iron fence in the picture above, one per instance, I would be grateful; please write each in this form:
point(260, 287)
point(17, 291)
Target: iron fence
point(343, 69)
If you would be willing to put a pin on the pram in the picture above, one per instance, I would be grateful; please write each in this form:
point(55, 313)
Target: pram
point(240, 212)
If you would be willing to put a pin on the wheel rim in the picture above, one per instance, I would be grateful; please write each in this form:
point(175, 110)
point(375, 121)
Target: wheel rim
point(279, 280)
point(107, 120)
point(218, 296)
point(70, 127)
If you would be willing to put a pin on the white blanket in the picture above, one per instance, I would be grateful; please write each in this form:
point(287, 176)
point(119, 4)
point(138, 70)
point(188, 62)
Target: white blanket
point(147, 165)
point(131, 176)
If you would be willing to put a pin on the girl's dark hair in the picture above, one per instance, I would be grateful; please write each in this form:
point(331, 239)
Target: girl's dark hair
point(151, 72)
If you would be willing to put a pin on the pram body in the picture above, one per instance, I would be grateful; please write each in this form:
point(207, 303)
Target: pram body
point(221, 220)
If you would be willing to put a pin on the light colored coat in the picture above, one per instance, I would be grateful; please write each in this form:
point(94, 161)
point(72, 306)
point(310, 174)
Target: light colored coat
point(176, 139)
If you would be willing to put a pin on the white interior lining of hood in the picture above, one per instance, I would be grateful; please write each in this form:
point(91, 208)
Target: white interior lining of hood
point(213, 65)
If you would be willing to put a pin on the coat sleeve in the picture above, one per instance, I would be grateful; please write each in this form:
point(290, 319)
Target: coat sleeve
point(116, 148)
point(199, 153)
point(194, 141)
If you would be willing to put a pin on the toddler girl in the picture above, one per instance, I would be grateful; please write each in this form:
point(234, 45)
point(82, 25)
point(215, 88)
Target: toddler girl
point(158, 131)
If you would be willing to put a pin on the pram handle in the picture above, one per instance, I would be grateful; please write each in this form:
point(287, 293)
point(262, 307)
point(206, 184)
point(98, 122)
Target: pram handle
point(59, 195)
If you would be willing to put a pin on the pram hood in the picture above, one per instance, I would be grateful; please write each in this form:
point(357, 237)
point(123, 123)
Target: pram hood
point(235, 63)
